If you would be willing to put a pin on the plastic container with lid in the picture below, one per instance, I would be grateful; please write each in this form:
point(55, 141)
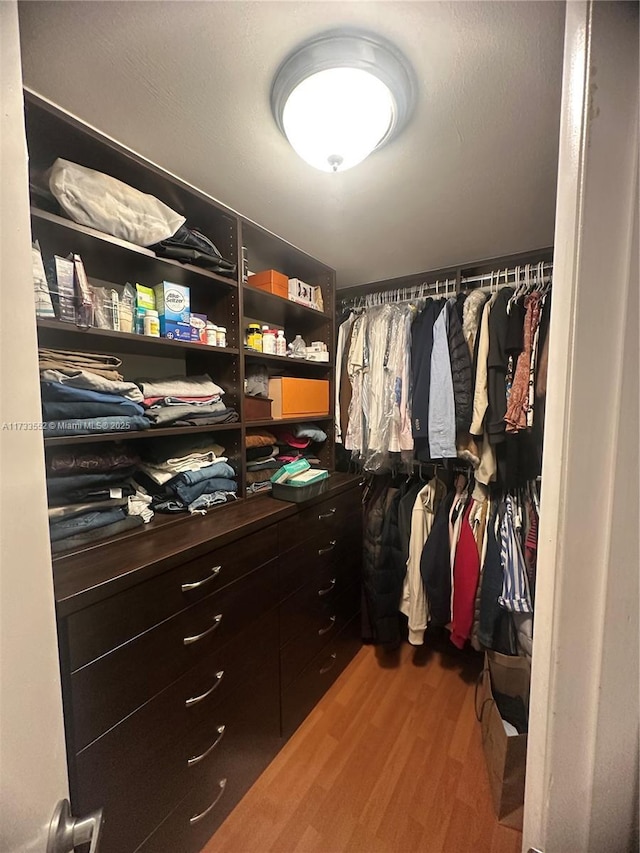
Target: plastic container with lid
point(298, 348)
point(269, 341)
point(212, 333)
point(221, 336)
point(151, 323)
point(254, 337)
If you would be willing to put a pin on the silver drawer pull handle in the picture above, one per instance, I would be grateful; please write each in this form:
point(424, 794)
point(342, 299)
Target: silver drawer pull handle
point(216, 624)
point(332, 545)
point(198, 758)
point(215, 571)
point(195, 699)
point(331, 512)
point(326, 591)
point(332, 622)
point(328, 666)
point(222, 784)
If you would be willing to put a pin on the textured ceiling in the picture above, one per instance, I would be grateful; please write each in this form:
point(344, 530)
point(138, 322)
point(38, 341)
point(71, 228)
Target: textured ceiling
point(186, 84)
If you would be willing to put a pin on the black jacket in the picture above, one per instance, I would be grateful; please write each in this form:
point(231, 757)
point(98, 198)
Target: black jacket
point(435, 565)
point(460, 359)
point(497, 362)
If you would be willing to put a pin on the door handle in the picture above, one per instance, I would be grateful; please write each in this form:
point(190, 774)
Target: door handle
point(327, 589)
point(331, 512)
point(331, 546)
point(194, 639)
point(67, 832)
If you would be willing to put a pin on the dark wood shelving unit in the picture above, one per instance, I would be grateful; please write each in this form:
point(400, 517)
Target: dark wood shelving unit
point(55, 333)
point(253, 355)
point(265, 422)
point(132, 435)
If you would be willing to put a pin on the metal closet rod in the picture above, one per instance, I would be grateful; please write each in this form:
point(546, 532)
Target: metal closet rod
point(504, 276)
point(498, 278)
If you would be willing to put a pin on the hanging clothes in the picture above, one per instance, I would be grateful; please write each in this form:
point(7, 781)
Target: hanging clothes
point(343, 386)
point(414, 601)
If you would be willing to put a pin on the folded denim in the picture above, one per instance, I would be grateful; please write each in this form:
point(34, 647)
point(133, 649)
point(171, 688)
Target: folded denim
point(69, 510)
point(168, 505)
point(129, 522)
point(228, 417)
point(188, 494)
point(90, 426)
point(190, 478)
point(181, 401)
point(65, 527)
point(92, 494)
point(162, 415)
point(108, 459)
point(60, 392)
point(179, 386)
point(204, 502)
point(60, 485)
point(53, 410)
point(93, 382)
point(168, 449)
point(164, 472)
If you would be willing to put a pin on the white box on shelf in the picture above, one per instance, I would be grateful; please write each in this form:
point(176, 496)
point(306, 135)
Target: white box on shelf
point(305, 294)
point(317, 356)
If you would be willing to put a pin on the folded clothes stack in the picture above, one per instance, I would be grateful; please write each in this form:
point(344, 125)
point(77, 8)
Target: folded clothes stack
point(261, 452)
point(186, 473)
point(92, 495)
point(83, 393)
point(299, 441)
point(185, 401)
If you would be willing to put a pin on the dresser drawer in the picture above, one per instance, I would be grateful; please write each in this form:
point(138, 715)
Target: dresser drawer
point(320, 627)
point(217, 785)
point(317, 558)
point(322, 519)
point(301, 695)
point(136, 800)
point(314, 600)
point(105, 691)
point(99, 629)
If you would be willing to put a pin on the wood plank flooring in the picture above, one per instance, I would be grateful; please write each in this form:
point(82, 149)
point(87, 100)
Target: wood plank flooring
point(390, 761)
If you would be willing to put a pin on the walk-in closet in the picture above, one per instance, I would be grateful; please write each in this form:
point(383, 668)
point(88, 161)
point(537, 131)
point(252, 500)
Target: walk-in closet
point(318, 379)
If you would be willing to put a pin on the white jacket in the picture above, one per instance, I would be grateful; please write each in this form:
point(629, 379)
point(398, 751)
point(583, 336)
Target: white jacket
point(414, 603)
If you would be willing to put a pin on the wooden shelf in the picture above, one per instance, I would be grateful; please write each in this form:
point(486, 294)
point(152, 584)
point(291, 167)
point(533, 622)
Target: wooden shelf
point(277, 421)
point(96, 437)
point(260, 305)
point(55, 332)
point(253, 355)
point(82, 234)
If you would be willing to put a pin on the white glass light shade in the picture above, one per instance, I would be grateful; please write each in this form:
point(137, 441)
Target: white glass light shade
point(335, 118)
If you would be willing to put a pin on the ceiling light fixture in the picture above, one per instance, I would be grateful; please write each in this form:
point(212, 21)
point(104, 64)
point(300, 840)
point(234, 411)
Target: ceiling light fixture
point(341, 96)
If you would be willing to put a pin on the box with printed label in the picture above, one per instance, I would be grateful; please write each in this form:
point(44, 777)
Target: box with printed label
point(173, 306)
point(198, 324)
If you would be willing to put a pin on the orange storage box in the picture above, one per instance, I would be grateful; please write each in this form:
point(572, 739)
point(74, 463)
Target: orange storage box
point(272, 281)
point(298, 398)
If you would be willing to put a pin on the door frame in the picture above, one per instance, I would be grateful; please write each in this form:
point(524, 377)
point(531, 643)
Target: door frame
point(32, 746)
point(582, 763)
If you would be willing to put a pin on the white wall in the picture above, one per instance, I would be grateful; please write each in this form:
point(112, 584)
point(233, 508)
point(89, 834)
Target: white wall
point(583, 743)
point(32, 755)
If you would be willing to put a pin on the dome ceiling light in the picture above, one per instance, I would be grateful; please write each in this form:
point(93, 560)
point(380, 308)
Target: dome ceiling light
point(340, 96)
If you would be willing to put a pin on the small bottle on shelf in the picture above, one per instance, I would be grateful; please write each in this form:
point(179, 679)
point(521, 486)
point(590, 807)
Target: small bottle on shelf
point(151, 323)
point(254, 337)
point(269, 341)
point(221, 336)
point(281, 344)
point(298, 349)
point(212, 334)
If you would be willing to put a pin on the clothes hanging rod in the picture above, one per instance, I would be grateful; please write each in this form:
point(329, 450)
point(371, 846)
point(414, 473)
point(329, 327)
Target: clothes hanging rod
point(504, 276)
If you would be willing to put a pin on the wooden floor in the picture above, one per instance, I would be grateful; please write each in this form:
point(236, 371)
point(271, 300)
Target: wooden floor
point(390, 761)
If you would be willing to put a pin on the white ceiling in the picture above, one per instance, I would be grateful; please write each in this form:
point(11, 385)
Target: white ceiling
point(187, 85)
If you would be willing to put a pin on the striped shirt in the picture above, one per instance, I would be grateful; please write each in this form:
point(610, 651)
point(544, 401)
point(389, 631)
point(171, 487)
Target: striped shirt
point(515, 586)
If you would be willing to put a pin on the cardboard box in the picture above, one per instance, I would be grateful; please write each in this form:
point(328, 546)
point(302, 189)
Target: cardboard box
point(305, 294)
point(303, 398)
point(271, 281)
point(505, 755)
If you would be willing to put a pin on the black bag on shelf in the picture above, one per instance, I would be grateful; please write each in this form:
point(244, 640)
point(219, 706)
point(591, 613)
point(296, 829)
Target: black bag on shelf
point(192, 247)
